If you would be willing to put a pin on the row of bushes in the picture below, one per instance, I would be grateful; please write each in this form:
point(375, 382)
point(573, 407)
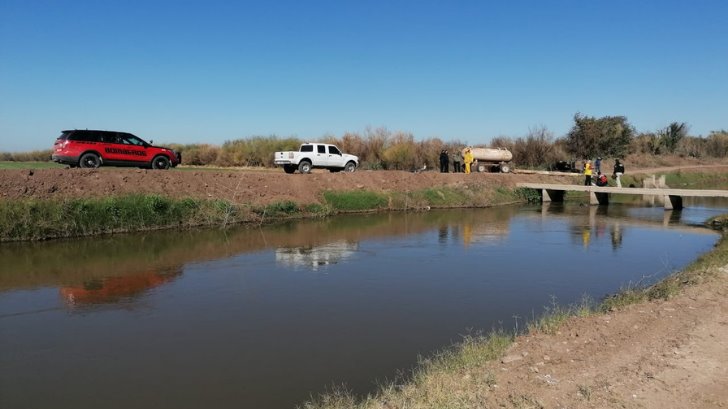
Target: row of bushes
point(382, 149)
point(34, 156)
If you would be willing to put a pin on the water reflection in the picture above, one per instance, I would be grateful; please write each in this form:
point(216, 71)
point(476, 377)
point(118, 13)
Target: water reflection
point(314, 257)
point(115, 290)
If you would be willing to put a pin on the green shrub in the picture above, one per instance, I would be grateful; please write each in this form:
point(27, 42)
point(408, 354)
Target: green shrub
point(355, 200)
point(43, 219)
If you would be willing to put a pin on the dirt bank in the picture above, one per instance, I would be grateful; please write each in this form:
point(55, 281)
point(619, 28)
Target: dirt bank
point(240, 186)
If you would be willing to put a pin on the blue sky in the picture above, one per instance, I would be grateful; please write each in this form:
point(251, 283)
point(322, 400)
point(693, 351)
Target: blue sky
point(211, 71)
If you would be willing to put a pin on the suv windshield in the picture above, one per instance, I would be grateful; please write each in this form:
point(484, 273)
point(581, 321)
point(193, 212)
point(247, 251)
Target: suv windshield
point(133, 140)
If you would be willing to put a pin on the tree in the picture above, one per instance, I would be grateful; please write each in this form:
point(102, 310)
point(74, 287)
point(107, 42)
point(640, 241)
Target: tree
point(606, 136)
point(671, 136)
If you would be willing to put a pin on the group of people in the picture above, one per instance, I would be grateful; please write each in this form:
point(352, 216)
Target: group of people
point(601, 178)
point(461, 161)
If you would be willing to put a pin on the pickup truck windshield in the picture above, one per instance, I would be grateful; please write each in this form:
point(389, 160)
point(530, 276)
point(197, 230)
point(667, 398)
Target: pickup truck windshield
point(334, 151)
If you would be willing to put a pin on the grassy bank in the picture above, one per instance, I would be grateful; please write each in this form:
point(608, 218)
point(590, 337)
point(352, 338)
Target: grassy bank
point(49, 219)
point(457, 377)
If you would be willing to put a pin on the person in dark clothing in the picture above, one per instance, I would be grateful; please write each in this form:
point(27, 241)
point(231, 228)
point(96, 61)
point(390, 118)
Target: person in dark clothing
point(601, 179)
point(618, 172)
point(444, 161)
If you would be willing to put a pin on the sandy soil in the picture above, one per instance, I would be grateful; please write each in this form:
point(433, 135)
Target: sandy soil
point(668, 354)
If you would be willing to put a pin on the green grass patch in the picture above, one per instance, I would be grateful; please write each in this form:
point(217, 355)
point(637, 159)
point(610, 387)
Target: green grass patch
point(527, 195)
point(692, 180)
point(286, 208)
point(355, 200)
point(444, 197)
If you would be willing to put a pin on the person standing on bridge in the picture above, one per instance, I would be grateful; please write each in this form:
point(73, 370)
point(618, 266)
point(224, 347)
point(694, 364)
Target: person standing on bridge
point(587, 173)
point(618, 172)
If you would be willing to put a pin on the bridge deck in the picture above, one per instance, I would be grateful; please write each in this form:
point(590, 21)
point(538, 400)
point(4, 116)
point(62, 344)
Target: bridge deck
point(600, 194)
point(628, 190)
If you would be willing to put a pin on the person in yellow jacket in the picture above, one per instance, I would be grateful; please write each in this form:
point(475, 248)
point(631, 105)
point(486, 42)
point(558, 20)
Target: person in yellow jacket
point(587, 173)
point(467, 159)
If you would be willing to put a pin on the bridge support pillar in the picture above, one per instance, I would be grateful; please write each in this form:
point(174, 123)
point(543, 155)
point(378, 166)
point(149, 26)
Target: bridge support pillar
point(598, 198)
point(673, 202)
point(548, 195)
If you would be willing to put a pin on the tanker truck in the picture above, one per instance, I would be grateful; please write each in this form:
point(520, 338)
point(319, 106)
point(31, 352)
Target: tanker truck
point(491, 159)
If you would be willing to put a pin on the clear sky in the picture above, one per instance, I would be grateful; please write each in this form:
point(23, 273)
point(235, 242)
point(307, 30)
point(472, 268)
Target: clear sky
point(210, 71)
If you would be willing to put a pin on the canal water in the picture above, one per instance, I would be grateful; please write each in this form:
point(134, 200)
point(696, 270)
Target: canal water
point(268, 317)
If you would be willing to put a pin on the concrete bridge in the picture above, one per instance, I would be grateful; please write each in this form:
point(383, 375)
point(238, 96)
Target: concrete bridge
point(600, 195)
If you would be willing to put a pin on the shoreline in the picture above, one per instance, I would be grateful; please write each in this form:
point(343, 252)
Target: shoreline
point(664, 345)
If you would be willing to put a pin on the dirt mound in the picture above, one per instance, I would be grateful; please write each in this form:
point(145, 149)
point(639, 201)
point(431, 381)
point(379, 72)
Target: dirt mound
point(243, 186)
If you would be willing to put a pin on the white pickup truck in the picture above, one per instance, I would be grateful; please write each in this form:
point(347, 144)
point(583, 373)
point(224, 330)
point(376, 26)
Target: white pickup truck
point(316, 155)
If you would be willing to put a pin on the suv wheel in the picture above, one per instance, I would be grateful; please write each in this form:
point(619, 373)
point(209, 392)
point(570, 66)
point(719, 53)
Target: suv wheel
point(89, 160)
point(160, 162)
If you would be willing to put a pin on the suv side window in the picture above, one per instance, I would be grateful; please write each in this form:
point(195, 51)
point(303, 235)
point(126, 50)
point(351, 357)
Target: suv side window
point(84, 136)
point(107, 137)
point(334, 151)
point(306, 148)
point(321, 148)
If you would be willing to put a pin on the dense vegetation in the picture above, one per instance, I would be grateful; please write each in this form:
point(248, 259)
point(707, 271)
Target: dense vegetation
point(589, 137)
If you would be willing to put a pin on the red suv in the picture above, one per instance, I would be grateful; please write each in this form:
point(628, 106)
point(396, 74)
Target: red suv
point(91, 149)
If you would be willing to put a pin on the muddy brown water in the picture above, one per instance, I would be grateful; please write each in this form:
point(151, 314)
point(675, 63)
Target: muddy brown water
point(266, 318)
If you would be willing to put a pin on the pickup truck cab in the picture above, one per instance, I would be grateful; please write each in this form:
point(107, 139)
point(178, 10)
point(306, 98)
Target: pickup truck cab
point(316, 155)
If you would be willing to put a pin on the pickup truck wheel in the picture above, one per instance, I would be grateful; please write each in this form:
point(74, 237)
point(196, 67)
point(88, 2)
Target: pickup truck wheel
point(289, 168)
point(304, 166)
point(350, 167)
point(89, 160)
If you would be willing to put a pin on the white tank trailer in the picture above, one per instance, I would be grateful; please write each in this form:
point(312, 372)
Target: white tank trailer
point(491, 159)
